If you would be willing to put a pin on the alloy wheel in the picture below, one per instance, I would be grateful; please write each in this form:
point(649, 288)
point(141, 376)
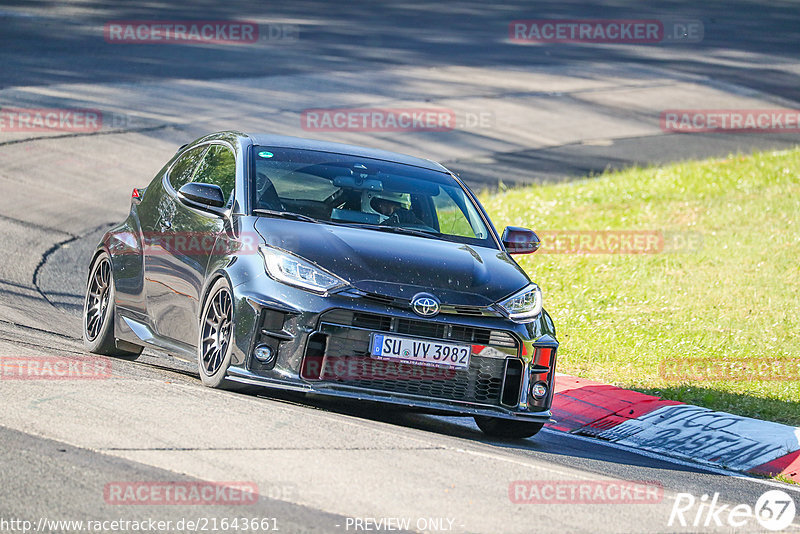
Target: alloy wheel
point(216, 331)
point(97, 298)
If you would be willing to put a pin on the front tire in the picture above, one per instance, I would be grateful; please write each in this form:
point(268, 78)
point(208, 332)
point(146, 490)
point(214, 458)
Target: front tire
point(98, 312)
point(216, 326)
point(505, 428)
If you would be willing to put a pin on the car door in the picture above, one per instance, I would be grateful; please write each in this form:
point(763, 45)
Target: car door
point(158, 237)
point(194, 234)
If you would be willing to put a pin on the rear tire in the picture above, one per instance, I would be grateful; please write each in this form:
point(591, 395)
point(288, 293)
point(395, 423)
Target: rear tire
point(98, 313)
point(505, 428)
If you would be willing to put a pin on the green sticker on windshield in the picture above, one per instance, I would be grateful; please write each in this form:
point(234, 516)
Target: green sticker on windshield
point(265, 154)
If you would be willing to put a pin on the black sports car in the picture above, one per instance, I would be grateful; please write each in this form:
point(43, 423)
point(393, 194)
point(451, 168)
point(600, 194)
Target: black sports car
point(328, 269)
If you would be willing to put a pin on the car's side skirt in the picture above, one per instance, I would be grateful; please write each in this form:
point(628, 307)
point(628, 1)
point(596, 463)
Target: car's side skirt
point(134, 331)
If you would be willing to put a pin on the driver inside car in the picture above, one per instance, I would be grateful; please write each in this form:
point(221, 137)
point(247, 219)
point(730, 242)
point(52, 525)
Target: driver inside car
point(392, 207)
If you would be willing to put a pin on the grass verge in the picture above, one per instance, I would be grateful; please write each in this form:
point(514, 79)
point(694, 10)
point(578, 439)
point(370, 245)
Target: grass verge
point(709, 314)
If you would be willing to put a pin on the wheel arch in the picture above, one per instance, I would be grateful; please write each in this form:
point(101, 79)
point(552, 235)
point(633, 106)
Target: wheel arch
point(209, 283)
point(101, 248)
point(244, 316)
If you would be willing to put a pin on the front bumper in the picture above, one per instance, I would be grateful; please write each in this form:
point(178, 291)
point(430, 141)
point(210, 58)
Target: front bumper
point(321, 346)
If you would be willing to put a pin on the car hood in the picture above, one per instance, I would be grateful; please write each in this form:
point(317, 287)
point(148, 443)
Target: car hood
point(400, 266)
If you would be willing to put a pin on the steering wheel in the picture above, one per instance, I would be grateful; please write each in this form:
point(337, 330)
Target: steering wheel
point(407, 220)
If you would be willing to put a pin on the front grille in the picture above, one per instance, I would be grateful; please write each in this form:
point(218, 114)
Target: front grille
point(346, 358)
point(420, 328)
point(480, 383)
point(424, 329)
point(371, 322)
point(469, 310)
point(347, 361)
point(383, 299)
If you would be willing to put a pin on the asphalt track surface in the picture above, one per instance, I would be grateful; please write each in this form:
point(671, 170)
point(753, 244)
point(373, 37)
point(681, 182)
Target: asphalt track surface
point(555, 112)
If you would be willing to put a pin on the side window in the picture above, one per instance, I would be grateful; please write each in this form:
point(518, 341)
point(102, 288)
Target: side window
point(184, 168)
point(219, 168)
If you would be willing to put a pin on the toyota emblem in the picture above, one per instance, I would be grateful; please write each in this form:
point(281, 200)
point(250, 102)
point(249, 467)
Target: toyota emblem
point(425, 305)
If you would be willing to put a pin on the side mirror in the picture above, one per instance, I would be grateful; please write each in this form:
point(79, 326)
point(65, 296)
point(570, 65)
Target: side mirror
point(199, 195)
point(520, 240)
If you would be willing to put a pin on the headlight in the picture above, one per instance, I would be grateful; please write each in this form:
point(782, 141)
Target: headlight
point(296, 271)
point(523, 306)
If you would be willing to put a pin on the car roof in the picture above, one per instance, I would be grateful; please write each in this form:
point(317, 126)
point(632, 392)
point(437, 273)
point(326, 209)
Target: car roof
point(285, 141)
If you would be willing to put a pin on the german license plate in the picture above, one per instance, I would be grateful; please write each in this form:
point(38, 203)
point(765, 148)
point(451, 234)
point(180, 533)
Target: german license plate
point(420, 351)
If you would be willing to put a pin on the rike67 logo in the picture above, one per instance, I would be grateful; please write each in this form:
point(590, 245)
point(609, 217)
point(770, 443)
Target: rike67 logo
point(775, 510)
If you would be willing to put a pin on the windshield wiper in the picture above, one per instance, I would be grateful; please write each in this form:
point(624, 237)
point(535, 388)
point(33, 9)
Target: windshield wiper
point(285, 215)
point(399, 230)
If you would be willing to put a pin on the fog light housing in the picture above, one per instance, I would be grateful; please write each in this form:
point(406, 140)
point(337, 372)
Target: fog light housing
point(539, 390)
point(264, 354)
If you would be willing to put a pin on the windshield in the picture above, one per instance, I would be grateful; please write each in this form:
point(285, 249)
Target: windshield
point(365, 192)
